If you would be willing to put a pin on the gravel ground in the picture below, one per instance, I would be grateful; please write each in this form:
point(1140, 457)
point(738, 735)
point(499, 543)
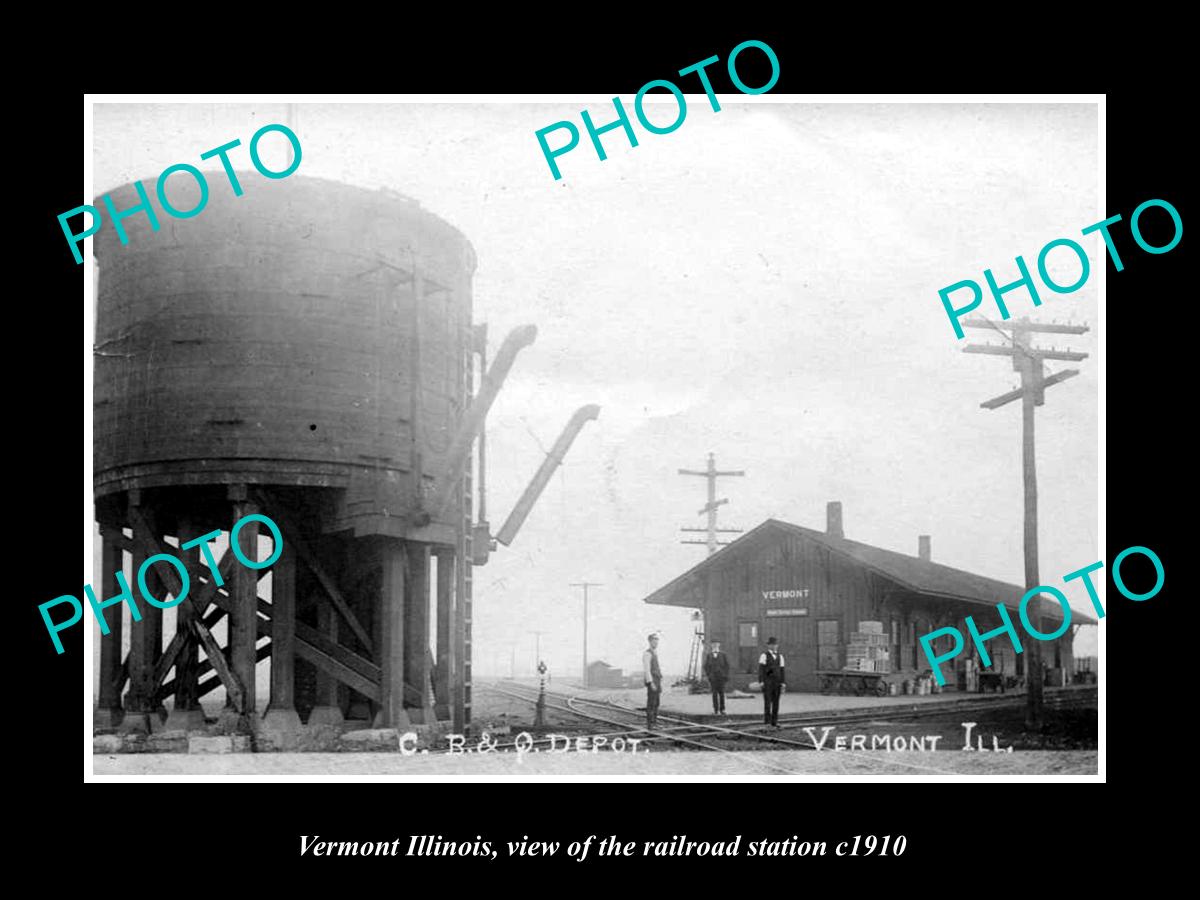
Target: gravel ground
point(642, 763)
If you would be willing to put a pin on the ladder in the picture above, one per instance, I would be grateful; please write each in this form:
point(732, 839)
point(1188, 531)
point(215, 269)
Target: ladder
point(697, 652)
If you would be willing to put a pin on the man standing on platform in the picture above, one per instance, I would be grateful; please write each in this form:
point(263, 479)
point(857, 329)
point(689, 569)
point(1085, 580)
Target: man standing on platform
point(716, 670)
point(772, 677)
point(653, 676)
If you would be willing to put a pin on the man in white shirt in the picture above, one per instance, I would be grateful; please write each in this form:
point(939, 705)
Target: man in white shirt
point(772, 677)
point(653, 676)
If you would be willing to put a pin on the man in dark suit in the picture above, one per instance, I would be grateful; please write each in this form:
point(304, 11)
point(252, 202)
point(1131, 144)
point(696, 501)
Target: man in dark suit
point(773, 678)
point(716, 670)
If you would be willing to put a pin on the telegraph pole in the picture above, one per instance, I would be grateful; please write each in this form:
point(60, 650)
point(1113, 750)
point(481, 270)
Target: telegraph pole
point(711, 474)
point(710, 508)
point(585, 585)
point(1028, 361)
point(537, 653)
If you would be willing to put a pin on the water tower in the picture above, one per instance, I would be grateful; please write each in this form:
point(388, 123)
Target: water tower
point(305, 351)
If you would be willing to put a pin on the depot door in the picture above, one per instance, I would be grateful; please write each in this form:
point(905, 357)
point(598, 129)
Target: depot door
point(795, 636)
point(829, 644)
point(747, 658)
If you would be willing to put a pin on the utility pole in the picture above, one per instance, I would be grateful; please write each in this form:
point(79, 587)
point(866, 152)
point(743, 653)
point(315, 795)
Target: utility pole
point(537, 653)
point(585, 585)
point(711, 474)
point(710, 508)
point(1028, 362)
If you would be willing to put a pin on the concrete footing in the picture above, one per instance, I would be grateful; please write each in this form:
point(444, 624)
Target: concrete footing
point(281, 721)
point(185, 720)
point(104, 717)
point(281, 730)
point(281, 727)
point(135, 723)
point(404, 724)
point(230, 721)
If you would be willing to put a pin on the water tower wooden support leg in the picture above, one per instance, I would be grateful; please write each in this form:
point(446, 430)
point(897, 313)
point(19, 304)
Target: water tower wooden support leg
point(281, 717)
point(446, 669)
point(416, 634)
point(460, 688)
point(145, 635)
point(375, 617)
point(108, 701)
point(327, 710)
point(186, 713)
point(243, 624)
point(391, 650)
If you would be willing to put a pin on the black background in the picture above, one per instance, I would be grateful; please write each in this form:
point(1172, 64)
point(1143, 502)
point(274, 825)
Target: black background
point(972, 830)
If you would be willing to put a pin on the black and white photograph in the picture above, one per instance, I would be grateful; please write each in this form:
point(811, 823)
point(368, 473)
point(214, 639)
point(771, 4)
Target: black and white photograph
point(528, 438)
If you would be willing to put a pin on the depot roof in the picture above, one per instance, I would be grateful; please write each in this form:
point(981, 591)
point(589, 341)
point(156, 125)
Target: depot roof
point(910, 572)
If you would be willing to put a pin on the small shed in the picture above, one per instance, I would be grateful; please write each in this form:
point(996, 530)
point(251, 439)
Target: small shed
point(601, 675)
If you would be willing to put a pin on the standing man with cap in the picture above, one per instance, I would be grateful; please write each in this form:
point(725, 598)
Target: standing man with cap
point(716, 670)
point(772, 677)
point(653, 676)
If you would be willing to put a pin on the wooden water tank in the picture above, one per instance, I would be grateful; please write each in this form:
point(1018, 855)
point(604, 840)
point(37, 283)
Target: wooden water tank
point(306, 333)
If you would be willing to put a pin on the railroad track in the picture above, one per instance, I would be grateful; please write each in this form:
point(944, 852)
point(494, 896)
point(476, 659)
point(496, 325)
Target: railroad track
point(572, 704)
point(688, 730)
point(1057, 700)
point(707, 730)
point(685, 732)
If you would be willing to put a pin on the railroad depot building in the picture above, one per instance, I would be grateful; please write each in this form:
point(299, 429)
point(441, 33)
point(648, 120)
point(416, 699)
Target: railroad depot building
point(811, 589)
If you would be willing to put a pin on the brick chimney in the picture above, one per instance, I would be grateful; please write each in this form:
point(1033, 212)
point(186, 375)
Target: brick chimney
point(923, 550)
point(833, 518)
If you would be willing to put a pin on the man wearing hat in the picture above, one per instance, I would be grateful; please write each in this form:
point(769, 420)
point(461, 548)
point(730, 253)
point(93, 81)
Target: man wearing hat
point(653, 676)
point(773, 680)
point(716, 670)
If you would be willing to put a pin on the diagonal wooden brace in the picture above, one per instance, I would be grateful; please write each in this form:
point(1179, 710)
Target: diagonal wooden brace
point(233, 687)
point(292, 535)
point(152, 545)
point(341, 662)
point(207, 687)
point(168, 688)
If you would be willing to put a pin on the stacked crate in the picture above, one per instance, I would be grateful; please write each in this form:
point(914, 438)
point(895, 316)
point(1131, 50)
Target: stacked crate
point(868, 649)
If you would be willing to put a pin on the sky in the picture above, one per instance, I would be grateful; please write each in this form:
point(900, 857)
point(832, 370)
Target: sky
point(761, 284)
